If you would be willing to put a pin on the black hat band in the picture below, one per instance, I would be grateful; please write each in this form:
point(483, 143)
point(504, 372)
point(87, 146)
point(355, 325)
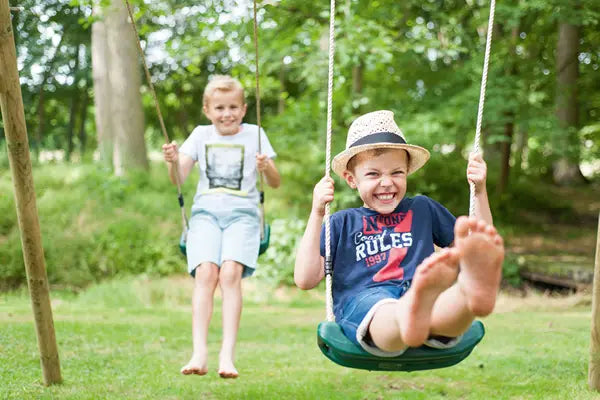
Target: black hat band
point(381, 137)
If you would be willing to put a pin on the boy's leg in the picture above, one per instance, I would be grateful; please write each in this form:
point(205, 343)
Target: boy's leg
point(474, 294)
point(230, 281)
point(205, 282)
point(239, 253)
point(406, 322)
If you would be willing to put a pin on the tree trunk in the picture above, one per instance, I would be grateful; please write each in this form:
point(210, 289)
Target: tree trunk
point(566, 171)
point(521, 146)
point(509, 129)
point(509, 126)
point(282, 93)
point(74, 104)
point(83, 117)
point(357, 86)
point(182, 115)
point(37, 138)
point(129, 151)
point(102, 94)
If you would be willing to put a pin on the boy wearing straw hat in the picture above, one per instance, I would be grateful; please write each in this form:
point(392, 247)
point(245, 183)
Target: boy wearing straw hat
point(390, 289)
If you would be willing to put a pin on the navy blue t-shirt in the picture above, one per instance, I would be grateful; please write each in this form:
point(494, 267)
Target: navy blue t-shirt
point(369, 249)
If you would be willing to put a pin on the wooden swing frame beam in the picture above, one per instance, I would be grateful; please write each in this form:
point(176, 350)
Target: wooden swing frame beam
point(13, 115)
point(594, 364)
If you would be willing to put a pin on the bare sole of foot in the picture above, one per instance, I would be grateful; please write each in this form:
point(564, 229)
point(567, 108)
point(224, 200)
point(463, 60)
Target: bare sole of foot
point(226, 368)
point(196, 366)
point(434, 275)
point(193, 370)
point(228, 373)
point(482, 253)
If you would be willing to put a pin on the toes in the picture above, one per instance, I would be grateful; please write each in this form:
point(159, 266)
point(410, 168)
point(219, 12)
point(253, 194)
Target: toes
point(490, 230)
point(189, 370)
point(461, 228)
point(479, 226)
point(228, 375)
point(434, 258)
point(453, 254)
point(448, 255)
point(499, 241)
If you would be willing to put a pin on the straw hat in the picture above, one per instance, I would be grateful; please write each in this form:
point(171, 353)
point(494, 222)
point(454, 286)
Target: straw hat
point(377, 130)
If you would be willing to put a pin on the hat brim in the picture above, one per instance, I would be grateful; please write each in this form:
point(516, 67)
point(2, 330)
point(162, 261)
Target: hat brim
point(418, 155)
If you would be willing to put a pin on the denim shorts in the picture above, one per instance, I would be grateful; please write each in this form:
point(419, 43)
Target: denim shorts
point(216, 236)
point(359, 310)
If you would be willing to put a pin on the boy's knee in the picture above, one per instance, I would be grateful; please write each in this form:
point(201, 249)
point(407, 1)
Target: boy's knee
point(230, 273)
point(206, 273)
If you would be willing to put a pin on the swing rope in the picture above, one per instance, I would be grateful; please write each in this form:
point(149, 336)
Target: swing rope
point(328, 262)
point(160, 116)
point(476, 145)
point(257, 79)
point(486, 61)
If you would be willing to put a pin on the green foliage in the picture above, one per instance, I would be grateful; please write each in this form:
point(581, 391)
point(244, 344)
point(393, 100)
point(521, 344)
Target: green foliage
point(421, 59)
point(95, 226)
point(511, 271)
point(524, 196)
point(276, 265)
point(4, 164)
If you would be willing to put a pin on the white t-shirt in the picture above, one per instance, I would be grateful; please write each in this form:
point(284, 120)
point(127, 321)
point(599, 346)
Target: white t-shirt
point(227, 166)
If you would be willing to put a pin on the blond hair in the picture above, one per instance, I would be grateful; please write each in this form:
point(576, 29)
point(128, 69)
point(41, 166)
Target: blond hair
point(224, 83)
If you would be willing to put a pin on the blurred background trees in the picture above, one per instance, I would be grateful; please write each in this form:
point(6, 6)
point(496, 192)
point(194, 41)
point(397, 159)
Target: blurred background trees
point(87, 101)
point(82, 81)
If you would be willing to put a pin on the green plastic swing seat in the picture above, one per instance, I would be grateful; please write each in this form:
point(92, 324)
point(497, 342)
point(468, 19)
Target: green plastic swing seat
point(339, 349)
point(264, 243)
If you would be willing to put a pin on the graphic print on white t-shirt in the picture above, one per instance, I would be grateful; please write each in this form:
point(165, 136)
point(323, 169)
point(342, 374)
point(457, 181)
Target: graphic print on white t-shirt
point(224, 166)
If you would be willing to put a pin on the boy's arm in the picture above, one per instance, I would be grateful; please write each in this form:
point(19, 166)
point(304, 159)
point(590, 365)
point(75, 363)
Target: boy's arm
point(171, 155)
point(266, 166)
point(477, 174)
point(308, 269)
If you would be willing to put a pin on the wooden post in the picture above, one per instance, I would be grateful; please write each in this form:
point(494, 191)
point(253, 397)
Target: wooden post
point(594, 365)
point(11, 102)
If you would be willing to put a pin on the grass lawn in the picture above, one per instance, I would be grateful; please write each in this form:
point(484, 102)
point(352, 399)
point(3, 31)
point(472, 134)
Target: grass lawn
point(127, 339)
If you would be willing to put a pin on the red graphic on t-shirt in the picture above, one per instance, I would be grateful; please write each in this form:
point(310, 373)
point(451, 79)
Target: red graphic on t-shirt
point(393, 270)
point(374, 224)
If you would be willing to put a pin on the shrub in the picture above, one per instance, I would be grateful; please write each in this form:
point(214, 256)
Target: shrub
point(276, 265)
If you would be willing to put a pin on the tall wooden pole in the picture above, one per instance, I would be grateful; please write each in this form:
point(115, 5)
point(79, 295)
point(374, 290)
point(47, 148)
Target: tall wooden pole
point(594, 365)
point(11, 103)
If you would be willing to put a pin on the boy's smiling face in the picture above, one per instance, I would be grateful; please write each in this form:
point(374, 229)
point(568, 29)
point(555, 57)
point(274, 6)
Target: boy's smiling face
point(226, 109)
point(379, 178)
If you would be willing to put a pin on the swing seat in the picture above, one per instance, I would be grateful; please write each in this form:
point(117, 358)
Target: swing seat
point(339, 349)
point(182, 242)
point(264, 243)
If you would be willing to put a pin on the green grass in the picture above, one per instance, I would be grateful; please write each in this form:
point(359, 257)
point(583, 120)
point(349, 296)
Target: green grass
point(127, 339)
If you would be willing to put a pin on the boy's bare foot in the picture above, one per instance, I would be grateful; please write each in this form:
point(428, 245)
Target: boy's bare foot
point(227, 369)
point(481, 256)
point(196, 366)
point(434, 275)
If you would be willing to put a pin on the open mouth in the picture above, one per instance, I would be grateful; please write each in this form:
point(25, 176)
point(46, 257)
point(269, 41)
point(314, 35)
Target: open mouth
point(385, 197)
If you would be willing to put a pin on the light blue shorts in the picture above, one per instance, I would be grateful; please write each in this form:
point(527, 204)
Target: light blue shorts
point(359, 310)
point(217, 236)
